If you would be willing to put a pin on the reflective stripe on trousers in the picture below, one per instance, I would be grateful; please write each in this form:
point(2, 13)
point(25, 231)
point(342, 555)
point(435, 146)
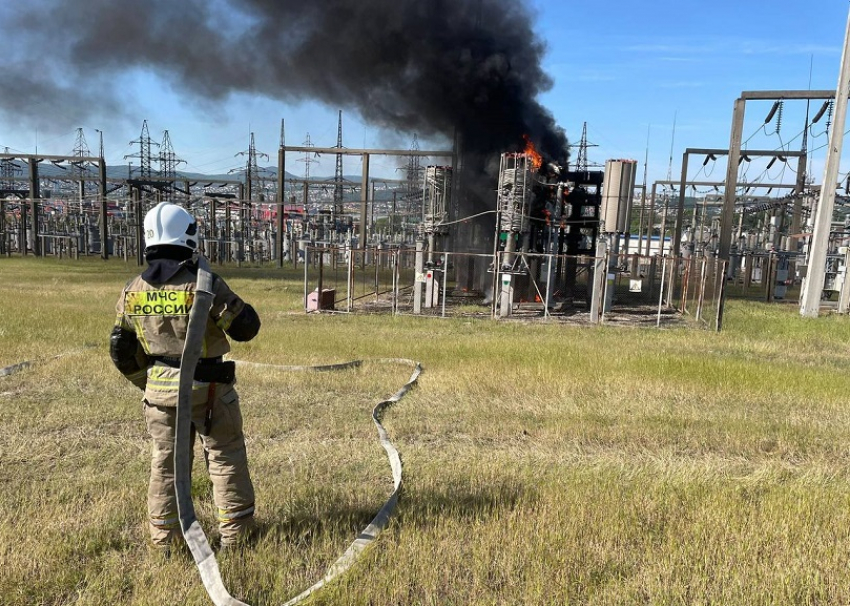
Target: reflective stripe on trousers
point(227, 464)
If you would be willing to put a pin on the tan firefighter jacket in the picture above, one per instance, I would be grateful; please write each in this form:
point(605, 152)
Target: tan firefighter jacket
point(159, 316)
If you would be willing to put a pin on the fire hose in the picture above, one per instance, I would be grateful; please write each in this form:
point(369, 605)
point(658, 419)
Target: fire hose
point(15, 368)
point(194, 535)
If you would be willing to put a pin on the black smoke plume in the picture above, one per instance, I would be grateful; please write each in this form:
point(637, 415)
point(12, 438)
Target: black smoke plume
point(433, 67)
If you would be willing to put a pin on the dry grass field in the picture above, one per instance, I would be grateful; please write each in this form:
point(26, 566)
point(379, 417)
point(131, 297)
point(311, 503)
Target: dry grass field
point(543, 464)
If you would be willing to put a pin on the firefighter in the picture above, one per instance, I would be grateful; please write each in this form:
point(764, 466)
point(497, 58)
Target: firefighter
point(146, 346)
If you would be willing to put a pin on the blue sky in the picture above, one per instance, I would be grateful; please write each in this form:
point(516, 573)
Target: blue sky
point(626, 69)
point(634, 70)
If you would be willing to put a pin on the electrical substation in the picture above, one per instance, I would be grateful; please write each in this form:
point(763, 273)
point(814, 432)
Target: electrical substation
point(575, 242)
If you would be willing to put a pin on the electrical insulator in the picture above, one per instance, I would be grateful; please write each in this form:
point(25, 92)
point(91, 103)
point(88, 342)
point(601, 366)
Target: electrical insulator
point(772, 111)
point(821, 111)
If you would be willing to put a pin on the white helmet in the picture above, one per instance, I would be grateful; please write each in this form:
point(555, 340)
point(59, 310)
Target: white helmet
point(167, 223)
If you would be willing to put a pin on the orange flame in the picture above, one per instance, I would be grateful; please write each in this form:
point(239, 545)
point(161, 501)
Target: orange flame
point(532, 153)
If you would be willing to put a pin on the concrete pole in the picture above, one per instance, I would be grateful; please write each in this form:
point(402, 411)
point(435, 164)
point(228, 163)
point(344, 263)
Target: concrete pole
point(664, 223)
point(136, 195)
point(228, 232)
point(280, 198)
point(2, 226)
point(651, 220)
point(418, 276)
point(641, 213)
point(613, 251)
point(600, 276)
point(844, 295)
point(797, 207)
point(364, 203)
point(240, 250)
point(35, 198)
point(212, 233)
point(813, 286)
point(680, 210)
point(725, 243)
point(104, 216)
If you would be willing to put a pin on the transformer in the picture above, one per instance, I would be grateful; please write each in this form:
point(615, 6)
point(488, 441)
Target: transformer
point(436, 204)
point(617, 195)
point(514, 192)
point(513, 206)
point(436, 199)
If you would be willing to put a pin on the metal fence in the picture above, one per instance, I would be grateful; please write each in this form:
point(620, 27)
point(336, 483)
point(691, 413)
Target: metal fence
point(622, 289)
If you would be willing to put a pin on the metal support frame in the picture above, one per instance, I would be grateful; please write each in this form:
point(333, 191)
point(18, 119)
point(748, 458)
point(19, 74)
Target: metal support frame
point(726, 222)
point(364, 185)
point(734, 152)
point(653, 196)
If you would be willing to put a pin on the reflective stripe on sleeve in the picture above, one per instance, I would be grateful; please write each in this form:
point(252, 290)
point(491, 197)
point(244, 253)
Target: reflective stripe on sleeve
point(137, 375)
point(225, 320)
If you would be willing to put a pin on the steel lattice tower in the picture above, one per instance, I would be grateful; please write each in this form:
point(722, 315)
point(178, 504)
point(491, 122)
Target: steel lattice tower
point(338, 176)
point(81, 150)
point(144, 142)
point(307, 159)
point(252, 169)
point(168, 161)
point(8, 170)
point(414, 181)
point(581, 161)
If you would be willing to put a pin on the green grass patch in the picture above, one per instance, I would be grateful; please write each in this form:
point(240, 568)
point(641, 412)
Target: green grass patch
point(544, 464)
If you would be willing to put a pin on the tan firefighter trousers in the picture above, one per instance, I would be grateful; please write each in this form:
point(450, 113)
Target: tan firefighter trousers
point(227, 464)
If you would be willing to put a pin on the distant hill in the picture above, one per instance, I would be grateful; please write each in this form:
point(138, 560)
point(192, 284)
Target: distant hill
point(122, 171)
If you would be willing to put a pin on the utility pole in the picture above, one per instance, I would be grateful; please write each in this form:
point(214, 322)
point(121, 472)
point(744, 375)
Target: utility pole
point(582, 163)
point(281, 194)
point(144, 154)
point(252, 168)
point(414, 183)
point(101, 194)
point(813, 286)
point(168, 161)
point(338, 175)
point(252, 183)
point(81, 150)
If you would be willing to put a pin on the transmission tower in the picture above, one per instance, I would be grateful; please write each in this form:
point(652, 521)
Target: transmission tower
point(308, 158)
point(338, 173)
point(81, 150)
point(143, 173)
point(8, 170)
point(168, 161)
point(252, 169)
point(414, 181)
point(581, 161)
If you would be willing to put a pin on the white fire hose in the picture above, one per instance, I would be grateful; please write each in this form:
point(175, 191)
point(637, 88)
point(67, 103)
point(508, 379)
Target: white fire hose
point(382, 518)
point(192, 531)
point(191, 528)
